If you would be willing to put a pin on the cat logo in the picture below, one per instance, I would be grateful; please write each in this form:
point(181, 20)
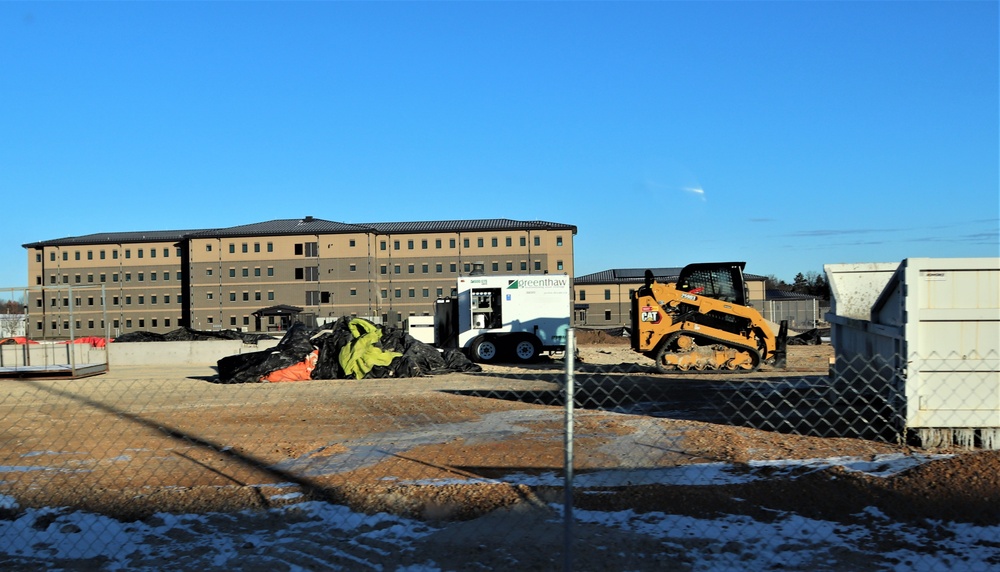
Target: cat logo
point(649, 315)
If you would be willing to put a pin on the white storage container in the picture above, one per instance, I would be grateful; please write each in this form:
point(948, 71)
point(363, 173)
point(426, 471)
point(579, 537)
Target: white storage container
point(929, 342)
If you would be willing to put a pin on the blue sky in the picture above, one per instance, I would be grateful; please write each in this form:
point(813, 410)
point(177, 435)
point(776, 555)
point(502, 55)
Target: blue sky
point(786, 134)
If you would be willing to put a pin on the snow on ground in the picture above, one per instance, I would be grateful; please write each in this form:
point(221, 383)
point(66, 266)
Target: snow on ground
point(317, 535)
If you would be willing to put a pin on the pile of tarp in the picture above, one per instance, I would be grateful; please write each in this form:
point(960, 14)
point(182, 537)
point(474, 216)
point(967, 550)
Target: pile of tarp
point(812, 337)
point(190, 335)
point(350, 348)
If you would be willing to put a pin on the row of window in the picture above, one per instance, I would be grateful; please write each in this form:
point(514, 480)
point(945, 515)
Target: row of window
point(466, 243)
point(116, 324)
point(607, 294)
point(115, 300)
point(103, 278)
point(102, 255)
point(467, 267)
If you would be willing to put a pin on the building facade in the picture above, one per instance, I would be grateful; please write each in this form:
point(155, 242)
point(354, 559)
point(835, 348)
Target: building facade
point(603, 299)
point(224, 278)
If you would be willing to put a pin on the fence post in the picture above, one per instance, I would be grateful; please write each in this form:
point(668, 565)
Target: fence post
point(570, 397)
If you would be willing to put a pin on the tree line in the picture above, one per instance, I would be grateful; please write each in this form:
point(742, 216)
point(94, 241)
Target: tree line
point(811, 283)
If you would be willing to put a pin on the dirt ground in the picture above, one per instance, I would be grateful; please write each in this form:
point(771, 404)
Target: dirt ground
point(138, 441)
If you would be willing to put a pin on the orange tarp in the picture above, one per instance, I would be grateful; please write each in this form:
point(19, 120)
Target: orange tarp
point(301, 371)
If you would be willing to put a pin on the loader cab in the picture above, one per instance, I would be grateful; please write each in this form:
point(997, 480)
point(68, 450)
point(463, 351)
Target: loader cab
point(720, 280)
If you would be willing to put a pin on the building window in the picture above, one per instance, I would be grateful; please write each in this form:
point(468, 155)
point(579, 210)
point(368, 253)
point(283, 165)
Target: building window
point(424, 268)
point(208, 296)
point(208, 272)
point(396, 269)
point(256, 296)
point(142, 300)
point(76, 255)
point(451, 243)
point(270, 271)
point(244, 248)
point(270, 295)
point(246, 272)
point(384, 293)
point(351, 243)
point(381, 245)
point(412, 292)
point(399, 293)
point(142, 277)
point(538, 265)
point(558, 241)
point(232, 273)
point(559, 265)
point(496, 267)
point(426, 292)
point(354, 291)
point(524, 241)
point(256, 271)
point(232, 248)
point(467, 267)
point(140, 253)
point(256, 247)
point(409, 269)
point(437, 243)
point(538, 241)
point(353, 268)
point(383, 269)
point(465, 243)
point(524, 266)
point(270, 247)
point(607, 315)
point(493, 242)
point(438, 267)
point(453, 267)
point(152, 253)
point(128, 253)
point(423, 244)
point(166, 322)
point(439, 292)
point(583, 295)
point(232, 296)
point(166, 253)
point(208, 248)
point(409, 245)
point(232, 320)
point(607, 294)
point(152, 276)
point(246, 296)
point(309, 273)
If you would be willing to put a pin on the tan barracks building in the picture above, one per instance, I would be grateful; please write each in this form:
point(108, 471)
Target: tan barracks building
point(254, 277)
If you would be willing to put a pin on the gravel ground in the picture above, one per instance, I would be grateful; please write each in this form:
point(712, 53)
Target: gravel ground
point(442, 449)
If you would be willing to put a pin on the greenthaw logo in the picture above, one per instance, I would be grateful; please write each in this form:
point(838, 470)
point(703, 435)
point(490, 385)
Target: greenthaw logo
point(519, 283)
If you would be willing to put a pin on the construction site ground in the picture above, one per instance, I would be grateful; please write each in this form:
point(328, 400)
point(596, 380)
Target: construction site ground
point(151, 439)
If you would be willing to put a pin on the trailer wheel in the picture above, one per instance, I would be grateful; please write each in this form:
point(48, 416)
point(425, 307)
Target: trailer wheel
point(484, 350)
point(526, 349)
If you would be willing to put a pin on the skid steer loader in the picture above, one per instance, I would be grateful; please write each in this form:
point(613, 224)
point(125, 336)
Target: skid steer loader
point(704, 323)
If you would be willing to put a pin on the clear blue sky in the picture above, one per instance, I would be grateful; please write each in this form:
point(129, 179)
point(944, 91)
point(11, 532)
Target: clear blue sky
point(786, 134)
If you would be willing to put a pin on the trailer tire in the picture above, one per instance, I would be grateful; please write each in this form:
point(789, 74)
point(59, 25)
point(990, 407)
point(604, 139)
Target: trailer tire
point(484, 350)
point(526, 349)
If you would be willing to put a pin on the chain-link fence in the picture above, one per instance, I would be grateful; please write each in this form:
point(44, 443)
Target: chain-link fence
point(818, 466)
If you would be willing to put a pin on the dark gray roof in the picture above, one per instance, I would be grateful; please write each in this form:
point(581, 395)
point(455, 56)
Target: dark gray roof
point(628, 276)
point(288, 226)
point(638, 276)
point(307, 225)
point(772, 294)
point(114, 238)
point(481, 225)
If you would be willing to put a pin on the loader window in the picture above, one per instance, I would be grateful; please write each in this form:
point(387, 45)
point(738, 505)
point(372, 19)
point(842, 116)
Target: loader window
point(716, 284)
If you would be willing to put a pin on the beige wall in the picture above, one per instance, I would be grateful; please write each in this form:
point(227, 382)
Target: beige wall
point(389, 277)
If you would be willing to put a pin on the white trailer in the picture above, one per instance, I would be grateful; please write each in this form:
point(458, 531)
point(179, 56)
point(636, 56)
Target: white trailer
point(518, 316)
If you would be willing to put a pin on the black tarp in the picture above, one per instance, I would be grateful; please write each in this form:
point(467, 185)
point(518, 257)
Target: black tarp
point(417, 357)
point(190, 335)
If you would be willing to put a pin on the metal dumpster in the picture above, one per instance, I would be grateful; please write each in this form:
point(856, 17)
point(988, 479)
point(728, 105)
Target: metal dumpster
point(924, 335)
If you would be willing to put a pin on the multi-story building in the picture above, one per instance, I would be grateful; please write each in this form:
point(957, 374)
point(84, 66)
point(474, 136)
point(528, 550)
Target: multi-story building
point(603, 299)
point(227, 278)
